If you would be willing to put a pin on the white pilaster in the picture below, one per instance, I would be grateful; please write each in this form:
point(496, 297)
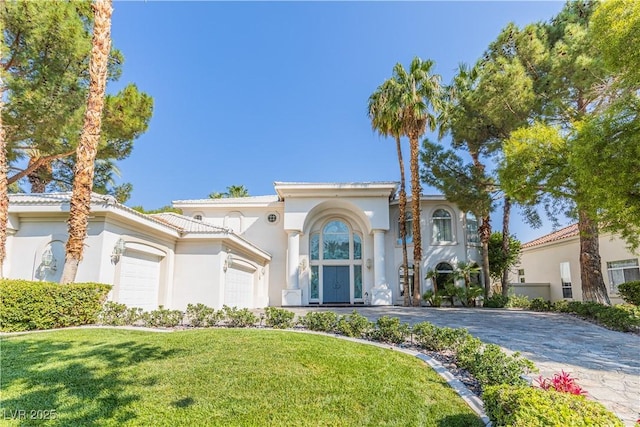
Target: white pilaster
point(293, 294)
point(381, 294)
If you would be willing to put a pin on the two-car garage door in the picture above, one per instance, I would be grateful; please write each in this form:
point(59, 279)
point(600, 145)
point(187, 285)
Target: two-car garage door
point(139, 280)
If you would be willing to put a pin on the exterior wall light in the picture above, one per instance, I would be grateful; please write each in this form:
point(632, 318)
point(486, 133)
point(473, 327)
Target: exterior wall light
point(368, 263)
point(228, 262)
point(118, 250)
point(48, 260)
point(303, 264)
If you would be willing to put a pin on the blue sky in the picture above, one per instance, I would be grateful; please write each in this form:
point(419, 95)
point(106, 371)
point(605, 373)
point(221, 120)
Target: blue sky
point(248, 93)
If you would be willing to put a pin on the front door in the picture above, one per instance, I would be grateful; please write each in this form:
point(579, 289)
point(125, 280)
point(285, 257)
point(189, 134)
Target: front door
point(335, 284)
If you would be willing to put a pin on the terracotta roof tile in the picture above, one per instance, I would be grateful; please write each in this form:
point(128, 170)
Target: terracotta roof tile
point(563, 233)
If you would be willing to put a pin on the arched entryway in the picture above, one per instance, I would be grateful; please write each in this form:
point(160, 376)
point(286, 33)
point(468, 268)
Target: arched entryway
point(335, 254)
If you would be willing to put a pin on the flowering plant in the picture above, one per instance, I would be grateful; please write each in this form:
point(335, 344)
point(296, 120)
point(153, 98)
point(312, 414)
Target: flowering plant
point(562, 382)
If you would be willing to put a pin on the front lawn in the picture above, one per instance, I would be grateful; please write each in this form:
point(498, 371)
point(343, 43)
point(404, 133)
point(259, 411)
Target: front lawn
point(226, 377)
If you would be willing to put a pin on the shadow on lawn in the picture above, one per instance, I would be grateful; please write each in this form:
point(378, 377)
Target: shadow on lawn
point(94, 378)
point(460, 420)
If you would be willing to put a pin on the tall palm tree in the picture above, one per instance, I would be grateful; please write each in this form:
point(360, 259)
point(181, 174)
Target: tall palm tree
point(86, 152)
point(232, 191)
point(386, 120)
point(417, 94)
point(4, 190)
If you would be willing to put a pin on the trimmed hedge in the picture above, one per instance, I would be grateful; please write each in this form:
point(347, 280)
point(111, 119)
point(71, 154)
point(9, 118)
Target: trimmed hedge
point(523, 406)
point(621, 317)
point(630, 292)
point(27, 305)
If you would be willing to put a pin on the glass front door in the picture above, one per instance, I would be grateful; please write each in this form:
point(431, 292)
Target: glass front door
point(335, 284)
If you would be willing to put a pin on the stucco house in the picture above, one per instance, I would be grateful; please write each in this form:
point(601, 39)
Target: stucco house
point(308, 244)
point(550, 266)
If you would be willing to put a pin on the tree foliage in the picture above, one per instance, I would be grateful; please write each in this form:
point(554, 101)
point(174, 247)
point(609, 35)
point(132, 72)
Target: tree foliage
point(232, 191)
point(498, 261)
point(571, 84)
point(48, 46)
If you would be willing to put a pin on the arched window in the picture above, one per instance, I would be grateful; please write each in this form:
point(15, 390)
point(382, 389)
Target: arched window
point(402, 278)
point(442, 231)
point(445, 274)
point(314, 248)
point(335, 240)
point(357, 247)
point(472, 228)
point(409, 220)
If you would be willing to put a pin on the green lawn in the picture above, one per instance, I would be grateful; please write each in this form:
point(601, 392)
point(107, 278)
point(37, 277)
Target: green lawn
point(226, 377)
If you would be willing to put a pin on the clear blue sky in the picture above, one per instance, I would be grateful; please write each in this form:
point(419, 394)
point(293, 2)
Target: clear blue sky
point(248, 93)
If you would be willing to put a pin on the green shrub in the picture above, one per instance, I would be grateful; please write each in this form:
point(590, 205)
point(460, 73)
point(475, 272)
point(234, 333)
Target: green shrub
point(561, 306)
point(239, 318)
point(532, 407)
point(133, 315)
point(496, 301)
point(432, 298)
point(518, 301)
point(201, 315)
point(354, 325)
point(324, 321)
point(621, 317)
point(540, 304)
point(27, 305)
point(113, 314)
point(451, 292)
point(469, 295)
point(630, 292)
point(435, 338)
point(390, 330)
point(279, 318)
point(162, 317)
point(491, 366)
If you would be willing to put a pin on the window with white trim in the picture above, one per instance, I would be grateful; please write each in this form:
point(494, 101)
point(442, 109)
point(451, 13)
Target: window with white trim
point(409, 231)
point(521, 275)
point(472, 228)
point(565, 280)
point(622, 271)
point(442, 231)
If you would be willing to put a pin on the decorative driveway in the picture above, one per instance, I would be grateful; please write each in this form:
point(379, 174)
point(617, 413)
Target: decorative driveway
point(606, 363)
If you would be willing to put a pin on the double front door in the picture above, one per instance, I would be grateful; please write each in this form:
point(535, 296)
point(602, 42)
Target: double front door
point(335, 284)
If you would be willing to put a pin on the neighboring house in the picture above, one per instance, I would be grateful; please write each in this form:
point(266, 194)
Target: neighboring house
point(553, 261)
point(310, 243)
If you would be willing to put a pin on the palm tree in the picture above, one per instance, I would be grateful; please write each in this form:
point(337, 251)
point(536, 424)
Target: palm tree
point(4, 190)
point(232, 191)
point(86, 152)
point(416, 93)
point(387, 121)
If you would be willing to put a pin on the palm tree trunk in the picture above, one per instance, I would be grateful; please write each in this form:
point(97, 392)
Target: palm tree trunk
point(86, 152)
point(402, 205)
point(593, 287)
point(4, 188)
point(485, 235)
point(415, 204)
point(40, 177)
point(505, 243)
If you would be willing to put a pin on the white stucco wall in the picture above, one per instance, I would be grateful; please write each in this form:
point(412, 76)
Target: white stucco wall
point(541, 264)
point(198, 274)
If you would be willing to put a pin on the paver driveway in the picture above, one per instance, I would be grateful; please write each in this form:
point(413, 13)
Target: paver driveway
point(606, 363)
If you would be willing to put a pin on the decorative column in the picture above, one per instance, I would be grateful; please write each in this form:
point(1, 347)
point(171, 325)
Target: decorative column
point(381, 294)
point(293, 294)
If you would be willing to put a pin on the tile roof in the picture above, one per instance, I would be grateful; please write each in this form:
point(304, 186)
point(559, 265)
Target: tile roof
point(236, 200)
point(187, 224)
point(563, 233)
point(56, 198)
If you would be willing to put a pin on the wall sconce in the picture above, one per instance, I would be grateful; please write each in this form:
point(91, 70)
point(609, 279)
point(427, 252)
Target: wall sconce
point(228, 262)
point(118, 250)
point(368, 263)
point(48, 260)
point(303, 264)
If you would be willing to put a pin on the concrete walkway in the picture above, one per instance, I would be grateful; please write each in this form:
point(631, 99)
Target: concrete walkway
point(606, 363)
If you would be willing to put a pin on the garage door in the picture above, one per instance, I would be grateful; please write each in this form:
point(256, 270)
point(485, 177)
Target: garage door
point(238, 290)
point(139, 280)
